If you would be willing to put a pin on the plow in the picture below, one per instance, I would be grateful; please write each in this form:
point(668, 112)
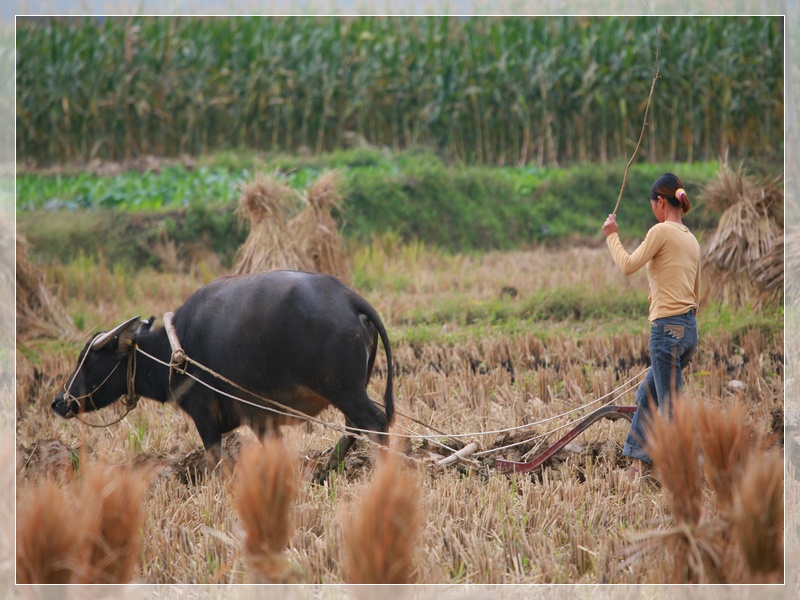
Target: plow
point(606, 412)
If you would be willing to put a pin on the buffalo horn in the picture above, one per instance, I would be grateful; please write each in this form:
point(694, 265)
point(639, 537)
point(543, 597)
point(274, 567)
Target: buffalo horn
point(103, 339)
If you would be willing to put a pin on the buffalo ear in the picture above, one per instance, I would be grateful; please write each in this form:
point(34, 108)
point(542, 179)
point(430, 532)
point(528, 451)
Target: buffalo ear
point(103, 339)
point(127, 336)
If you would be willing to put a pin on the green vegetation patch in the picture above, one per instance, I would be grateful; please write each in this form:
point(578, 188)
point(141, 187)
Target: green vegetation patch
point(130, 191)
point(562, 304)
point(414, 195)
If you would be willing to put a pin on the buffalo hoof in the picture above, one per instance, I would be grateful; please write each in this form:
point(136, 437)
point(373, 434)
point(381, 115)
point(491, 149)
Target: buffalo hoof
point(324, 472)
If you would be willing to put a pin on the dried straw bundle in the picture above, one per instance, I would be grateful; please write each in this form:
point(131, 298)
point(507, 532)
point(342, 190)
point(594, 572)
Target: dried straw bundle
point(91, 535)
point(50, 535)
point(265, 487)
point(282, 238)
point(114, 499)
point(744, 258)
point(317, 231)
point(39, 314)
point(672, 445)
point(268, 204)
point(758, 517)
point(726, 445)
point(379, 537)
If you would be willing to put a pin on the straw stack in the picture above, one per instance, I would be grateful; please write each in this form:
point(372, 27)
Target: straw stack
point(266, 204)
point(289, 230)
point(39, 314)
point(744, 258)
point(316, 230)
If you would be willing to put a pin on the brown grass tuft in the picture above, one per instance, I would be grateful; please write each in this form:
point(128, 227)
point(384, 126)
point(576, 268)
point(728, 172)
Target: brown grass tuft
point(694, 545)
point(748, 486)
point(264, 490)
point(114, 498)
point(758, 516)
point(379, 537)
point(672, 446)
point(50, 535)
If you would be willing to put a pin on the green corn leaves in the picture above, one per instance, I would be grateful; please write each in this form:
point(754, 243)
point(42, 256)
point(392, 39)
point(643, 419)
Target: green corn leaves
point(505, 91)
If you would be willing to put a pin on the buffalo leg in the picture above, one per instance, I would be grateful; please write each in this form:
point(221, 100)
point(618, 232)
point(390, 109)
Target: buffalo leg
point(339, 451)
point(336, 459)
point(266, 429)
point(360, 414)
point(210, 432)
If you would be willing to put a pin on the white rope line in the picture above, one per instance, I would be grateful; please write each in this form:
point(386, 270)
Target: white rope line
point(297, 414)
point(290, 412)
point(430, 439)
point(547, 420)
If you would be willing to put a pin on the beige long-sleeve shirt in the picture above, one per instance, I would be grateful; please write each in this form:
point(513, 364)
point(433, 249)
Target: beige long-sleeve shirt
point(672, 256)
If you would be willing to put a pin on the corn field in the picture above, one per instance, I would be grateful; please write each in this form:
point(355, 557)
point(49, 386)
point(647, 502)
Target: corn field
point(502, 91)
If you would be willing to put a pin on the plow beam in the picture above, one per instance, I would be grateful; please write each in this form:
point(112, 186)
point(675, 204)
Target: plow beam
point(606, 412)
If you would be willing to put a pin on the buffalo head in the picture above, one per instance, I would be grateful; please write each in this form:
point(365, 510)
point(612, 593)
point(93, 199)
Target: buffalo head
point(101, 375)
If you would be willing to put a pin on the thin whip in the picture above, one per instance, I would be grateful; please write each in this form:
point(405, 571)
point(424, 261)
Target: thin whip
point(644, 124)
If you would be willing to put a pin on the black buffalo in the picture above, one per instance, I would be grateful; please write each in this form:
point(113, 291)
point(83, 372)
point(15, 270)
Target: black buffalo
point(302, 340)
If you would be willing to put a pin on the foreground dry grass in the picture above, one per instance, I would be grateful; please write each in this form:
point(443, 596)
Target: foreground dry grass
point(575, 522)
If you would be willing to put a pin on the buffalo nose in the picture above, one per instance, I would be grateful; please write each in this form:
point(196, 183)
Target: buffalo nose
point(58, 404)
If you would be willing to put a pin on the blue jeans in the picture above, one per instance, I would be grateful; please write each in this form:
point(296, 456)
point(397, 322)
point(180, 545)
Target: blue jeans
point(673, 342)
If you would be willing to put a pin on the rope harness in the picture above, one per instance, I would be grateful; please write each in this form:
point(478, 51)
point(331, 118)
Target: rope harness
point(130, 400)
point(179, 362)
point(177, 359)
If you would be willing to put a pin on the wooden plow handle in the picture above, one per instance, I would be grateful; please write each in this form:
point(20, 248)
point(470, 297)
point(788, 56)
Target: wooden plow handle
point(605, 412)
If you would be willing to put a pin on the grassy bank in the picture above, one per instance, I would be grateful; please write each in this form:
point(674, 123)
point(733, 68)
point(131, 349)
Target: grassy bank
point(415, 196)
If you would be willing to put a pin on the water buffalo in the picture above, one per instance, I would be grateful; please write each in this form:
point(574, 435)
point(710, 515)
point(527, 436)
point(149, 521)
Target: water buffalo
point(303, 340)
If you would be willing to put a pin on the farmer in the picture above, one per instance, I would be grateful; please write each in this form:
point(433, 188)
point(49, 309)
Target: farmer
point(672, 256)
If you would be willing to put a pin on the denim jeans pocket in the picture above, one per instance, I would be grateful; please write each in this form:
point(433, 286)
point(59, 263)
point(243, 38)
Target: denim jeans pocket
point(676, 335)
point(675, 331)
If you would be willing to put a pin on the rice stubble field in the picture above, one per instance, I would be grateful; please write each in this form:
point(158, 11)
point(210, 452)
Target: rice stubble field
point(474, 354)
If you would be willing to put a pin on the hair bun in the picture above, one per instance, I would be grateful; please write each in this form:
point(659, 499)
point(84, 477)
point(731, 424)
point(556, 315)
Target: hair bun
point(683, 199)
